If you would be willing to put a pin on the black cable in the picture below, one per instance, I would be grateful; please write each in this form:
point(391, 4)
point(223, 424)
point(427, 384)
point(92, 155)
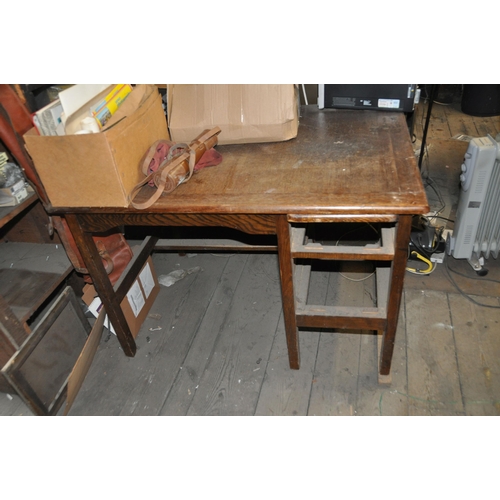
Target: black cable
point(432, 183)
point(479, 278)
point(442, 218)
point(460, 291)
point(423, 272)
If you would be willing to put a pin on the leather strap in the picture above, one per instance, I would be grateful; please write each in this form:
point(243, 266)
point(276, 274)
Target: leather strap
point(170, 173)
point(156, 154)
point(103, 252)
point(161, 178)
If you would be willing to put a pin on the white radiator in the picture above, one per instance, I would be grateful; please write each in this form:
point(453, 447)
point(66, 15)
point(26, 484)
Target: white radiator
point(477, 224)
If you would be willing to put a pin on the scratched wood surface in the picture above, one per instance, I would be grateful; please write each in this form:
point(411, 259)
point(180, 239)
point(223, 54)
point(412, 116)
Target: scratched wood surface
point(363, 163)
point(221, 348)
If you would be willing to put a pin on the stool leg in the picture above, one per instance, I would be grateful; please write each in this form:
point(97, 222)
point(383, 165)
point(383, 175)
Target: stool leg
point(287, 290)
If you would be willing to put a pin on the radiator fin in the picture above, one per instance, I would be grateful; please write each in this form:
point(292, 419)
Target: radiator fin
point(486, 241)
point(477, 225)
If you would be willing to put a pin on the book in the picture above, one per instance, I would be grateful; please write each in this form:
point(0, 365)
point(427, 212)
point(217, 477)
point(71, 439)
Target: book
point(105, 109)
point(47, 119)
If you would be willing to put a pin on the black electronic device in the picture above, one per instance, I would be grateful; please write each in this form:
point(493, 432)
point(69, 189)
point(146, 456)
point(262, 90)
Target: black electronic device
point(388, 97)
point(425, 239)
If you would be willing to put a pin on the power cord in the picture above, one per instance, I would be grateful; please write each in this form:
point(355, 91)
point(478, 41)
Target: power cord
point(460, 291)
point(430, 265)
point(338, 241)
point(431, 183)
point(425, 240)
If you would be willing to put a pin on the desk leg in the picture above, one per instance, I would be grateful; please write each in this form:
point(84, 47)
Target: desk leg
point(287, 290)
point(102, 285)
point(396, 290)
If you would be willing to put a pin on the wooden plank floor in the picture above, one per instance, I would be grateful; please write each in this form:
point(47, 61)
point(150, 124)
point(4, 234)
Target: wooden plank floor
point(214, 342)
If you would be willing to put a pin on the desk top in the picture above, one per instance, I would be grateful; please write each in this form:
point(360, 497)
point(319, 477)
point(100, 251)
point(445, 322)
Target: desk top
point(341, 162)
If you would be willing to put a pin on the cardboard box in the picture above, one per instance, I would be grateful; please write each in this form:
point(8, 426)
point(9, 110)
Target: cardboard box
point(101, 169)
point(136, 304)
point(245, 113)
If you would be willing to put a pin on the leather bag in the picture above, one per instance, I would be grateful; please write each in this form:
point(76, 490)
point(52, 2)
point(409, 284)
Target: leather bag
point(114, 250)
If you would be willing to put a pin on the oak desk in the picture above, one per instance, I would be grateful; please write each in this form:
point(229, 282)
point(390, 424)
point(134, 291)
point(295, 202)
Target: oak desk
point(356, 166)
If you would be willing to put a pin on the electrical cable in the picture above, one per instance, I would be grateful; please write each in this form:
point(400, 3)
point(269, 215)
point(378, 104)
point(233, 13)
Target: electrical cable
point(461, 292)
point(478, 278)
point(423, 251)
point(338, 241)
point(442, 218)
point(431, 183)
point(430, 265)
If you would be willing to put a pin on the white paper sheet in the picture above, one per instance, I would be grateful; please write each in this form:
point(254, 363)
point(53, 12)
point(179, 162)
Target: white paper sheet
point(147, 280)
point(136, 298)
point(73, 98)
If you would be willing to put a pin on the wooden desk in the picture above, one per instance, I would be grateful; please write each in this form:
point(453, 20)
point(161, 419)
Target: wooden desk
point(343, 166)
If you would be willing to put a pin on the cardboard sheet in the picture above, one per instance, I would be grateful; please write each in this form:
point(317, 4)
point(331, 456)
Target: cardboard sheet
point(245, 113)
point(82, 365)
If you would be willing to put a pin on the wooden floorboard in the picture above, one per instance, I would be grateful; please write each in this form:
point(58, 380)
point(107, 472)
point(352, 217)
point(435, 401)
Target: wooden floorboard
point(143, 382)
point(477, 340)
point(286, 391)
point(184, 308)
point(433, 381)
point(214, 342)
point(232, 379)
point(390, 400)
point(12, 405)
point(187, 382)
point(338, 365)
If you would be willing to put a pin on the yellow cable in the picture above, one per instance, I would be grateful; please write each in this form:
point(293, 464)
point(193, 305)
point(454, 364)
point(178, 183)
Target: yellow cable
point(430, 268)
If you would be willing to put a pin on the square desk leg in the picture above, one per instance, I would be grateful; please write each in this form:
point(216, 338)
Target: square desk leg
point(95, 267)
point(403, 230)
point(287, 289)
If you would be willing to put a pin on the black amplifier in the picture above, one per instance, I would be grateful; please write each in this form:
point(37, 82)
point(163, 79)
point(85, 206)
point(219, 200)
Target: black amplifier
point(394, 97)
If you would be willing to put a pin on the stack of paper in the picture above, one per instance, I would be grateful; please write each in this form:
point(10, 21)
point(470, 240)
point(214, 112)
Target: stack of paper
point(3, 159)
point(48, 120)
point(12, 183)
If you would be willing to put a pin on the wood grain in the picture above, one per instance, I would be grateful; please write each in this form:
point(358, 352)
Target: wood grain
point(475, 329)
point(433, 380)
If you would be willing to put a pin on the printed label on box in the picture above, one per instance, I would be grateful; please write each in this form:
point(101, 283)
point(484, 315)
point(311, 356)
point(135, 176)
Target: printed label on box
point(136, 298)
point(147, 281)
point(95, 308)
point(18, 191)
point(20, 195)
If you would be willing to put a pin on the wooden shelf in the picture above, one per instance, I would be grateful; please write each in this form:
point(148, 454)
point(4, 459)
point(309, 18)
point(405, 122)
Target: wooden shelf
point(302, 248)
point(9, 213)
point(339, 316)
point(305, 250)
point(29, 274)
